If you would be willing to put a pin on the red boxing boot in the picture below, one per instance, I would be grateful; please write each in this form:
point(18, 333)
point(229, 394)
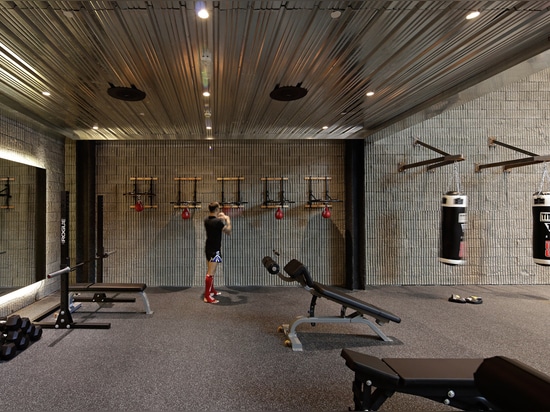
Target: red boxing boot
point(208, 281)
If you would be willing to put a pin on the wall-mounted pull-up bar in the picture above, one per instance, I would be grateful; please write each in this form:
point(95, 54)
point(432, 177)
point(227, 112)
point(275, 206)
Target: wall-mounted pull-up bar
point(444, 160)
point(510, 164)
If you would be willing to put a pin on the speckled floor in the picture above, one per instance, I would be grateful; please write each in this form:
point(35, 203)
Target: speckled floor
point(191, 356)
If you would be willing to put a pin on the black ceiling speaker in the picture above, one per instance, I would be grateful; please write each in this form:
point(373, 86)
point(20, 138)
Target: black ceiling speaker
point(288, 93)
point(130, 94)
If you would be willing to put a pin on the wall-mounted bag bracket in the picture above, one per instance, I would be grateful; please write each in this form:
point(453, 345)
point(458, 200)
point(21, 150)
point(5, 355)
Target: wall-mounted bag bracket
point(314, 201)
point(510, 164)
point(444, 160)
point(6, 192)
point(236, 203)
point(272, 203)
point(187, 204)
point(137, 194)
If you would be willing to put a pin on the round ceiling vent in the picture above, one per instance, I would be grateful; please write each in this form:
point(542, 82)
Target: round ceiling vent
point(288, 93)
point(130, 94)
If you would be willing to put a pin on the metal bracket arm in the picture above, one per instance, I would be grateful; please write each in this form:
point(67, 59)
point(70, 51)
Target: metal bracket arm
point(433, 163)
point(510, 164)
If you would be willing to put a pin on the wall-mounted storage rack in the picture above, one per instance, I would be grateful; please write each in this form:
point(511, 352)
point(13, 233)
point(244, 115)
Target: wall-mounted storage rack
point(149, 194)
point(272, 203)
point(314, 201)
point(187, 204)
point(510, 164)
point(444, 160)
point(235, 203)
point(6, 192)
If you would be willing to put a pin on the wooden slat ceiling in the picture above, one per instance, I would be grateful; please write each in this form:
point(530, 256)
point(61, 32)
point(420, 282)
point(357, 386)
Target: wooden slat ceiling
point(412, 54)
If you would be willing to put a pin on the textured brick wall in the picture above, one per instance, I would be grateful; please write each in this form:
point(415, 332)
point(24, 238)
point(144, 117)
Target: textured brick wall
point(404, 208)
point(158, 247)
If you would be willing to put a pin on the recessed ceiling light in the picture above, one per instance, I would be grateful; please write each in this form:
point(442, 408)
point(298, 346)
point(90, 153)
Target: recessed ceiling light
point(325, 127)
point(95, 127)
point(336, 14)
point(203, 13)
point(46, 93)
point(472, 15)
point(206, 94)
point(370, 94)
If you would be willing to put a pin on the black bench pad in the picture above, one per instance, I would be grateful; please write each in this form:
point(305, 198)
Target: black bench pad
point(108, 287)
point(353, 303)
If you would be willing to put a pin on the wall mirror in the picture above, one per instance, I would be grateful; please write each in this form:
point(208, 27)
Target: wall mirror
point(22, 225)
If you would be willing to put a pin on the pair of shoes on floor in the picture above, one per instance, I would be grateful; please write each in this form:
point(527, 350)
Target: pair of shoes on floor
point(470, 299)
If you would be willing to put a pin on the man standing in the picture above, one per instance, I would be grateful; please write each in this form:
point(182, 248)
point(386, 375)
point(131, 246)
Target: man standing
point(215, 224)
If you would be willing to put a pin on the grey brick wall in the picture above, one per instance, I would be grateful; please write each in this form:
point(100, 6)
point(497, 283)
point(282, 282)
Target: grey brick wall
point(158, 247)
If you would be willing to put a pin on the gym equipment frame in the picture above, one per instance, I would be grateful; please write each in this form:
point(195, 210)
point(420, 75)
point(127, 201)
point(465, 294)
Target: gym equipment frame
point(299, 273)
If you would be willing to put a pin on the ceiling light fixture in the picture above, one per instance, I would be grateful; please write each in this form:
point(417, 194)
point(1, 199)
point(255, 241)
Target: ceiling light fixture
point(206, 93)
point(472, 15)
point(201, 10)
point(46, 93)
point(369, 94)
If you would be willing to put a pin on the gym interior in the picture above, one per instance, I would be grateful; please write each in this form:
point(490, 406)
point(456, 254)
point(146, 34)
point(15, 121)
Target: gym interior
point(360, 218)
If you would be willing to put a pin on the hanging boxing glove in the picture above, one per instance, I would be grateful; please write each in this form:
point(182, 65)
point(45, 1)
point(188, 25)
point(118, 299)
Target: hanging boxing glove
point(541, 228)
point(453, 225)
point(279, 214)
point(326, 212)
point(185, 214)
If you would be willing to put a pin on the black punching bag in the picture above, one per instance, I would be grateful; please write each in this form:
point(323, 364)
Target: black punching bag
point(453, 224)
point(541, 228)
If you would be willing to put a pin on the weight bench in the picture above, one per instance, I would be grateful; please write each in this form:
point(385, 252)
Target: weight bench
point(496, 383)
point(100, 291)
point(299, 273)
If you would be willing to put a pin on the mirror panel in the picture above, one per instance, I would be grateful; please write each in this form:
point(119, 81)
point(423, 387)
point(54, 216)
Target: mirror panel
point(22, 225)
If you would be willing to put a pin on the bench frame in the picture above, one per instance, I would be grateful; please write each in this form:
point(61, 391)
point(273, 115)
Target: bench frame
point(100, 291)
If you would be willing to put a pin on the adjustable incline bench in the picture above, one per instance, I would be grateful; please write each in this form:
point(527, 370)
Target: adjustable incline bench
point(299, 273)
point(100, 290)
point(491, 384)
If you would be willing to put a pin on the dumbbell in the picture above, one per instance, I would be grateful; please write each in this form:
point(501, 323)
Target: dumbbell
point(33, 331)
point(17, 337)
point(7, 351)
point(12, 322)
point(36, 333)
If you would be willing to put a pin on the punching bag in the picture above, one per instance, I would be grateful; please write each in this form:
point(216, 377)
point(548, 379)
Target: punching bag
point(541, 228)
point(453, 225)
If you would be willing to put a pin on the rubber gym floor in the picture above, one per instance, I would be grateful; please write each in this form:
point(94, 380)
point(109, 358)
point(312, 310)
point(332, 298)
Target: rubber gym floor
point(190, 356)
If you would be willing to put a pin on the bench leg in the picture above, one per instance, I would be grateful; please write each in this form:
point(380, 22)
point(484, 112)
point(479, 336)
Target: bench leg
point(146, 303)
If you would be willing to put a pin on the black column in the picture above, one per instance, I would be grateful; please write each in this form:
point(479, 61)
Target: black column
point(85, 210)
point(40, 225)
point(354, 177)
